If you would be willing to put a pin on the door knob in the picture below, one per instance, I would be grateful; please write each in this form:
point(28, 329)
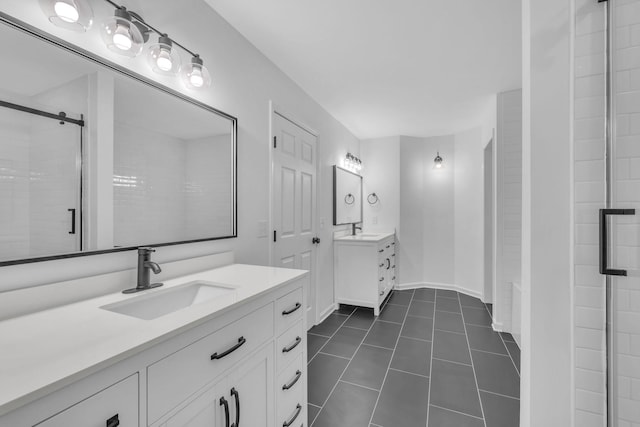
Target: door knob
point(315, 240)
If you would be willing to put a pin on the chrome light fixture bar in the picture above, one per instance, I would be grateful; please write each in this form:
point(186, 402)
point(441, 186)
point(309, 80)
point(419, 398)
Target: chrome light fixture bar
point(125, 33)
point(352, 163)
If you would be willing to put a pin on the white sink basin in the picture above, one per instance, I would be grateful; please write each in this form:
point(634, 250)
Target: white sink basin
point(165, 301)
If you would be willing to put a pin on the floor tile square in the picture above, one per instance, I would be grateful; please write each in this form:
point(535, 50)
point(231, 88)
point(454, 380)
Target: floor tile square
point(412, 356)
point(447, 293)
point(451, 346)
point(403, 401)
point(514, 352)
point(314, 344)
point(368, 367)
point(485, 339)
point(400, 298)
point(496, 374)
point(329, 326)
point(451, 322)
point(393, 313)
point(324, 372)
point(361, 318)
point(454, 387)
point(312, 413)
point(439, 417)
point(448, 304)
point(348, 405)
point(345, 342)
point(506, 336)
point(418, 327)
point(345, 309)
point(476, 316)
point(383, 334)
point(469, 301)
point(425, 294)
point(421, 308)
point(500, 411)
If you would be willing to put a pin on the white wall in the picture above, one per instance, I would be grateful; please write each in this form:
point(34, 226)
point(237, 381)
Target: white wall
point(244, 82)
point(381, 175)
point(547, 239)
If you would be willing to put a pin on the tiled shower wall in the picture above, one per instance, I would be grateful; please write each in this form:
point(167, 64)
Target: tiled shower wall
point(589, 185)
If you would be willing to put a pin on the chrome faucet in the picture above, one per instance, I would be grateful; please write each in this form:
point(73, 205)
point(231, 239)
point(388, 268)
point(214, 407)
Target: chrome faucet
point(144, 276)
point(354, 227)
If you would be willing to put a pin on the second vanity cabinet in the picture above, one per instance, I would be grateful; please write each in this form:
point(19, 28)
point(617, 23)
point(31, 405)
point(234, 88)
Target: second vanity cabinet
point(244, 367)
point(365, 269)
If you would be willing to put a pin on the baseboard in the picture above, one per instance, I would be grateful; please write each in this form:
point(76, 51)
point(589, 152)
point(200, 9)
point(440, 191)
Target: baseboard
point(324, 314)
point(497, 326)
point(445, 286)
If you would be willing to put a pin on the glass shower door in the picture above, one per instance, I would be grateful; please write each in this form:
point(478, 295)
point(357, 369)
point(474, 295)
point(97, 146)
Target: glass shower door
point(624, 199)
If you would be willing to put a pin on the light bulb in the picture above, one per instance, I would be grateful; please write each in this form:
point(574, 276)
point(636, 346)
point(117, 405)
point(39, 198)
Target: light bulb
point(66, 11)
point(163, 61)
point(196, 78)
point(122, 38)
point(438, 165)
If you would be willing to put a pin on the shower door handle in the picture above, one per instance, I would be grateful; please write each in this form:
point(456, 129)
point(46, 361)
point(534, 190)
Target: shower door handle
point(73, 221)
point(604, 240)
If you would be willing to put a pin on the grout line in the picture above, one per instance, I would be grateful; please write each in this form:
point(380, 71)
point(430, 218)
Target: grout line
point(414, 338)
point(475, 377)
point(451, 332)
point(433, 339)
point(313, 405)
point(358, 385)
point(353, 327)
point(457, 412)
point(376, 346)
point(448, 311)
point(499, 394)
point(386, 321)
point(386, 373)
point(334, 355)
point(421, 317)
point(451, 361)
point(491, 352)
point(407, 372)
point(318, 335)
point(507, 348)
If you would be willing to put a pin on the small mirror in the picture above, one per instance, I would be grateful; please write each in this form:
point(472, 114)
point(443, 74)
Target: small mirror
point(347, 197)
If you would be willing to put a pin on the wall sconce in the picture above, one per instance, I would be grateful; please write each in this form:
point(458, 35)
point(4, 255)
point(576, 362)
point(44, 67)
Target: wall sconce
point(352, 163)
point(437, 162)
point(125, 33)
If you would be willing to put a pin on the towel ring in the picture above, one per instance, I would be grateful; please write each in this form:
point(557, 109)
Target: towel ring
point(372, 198)
point(349, 199)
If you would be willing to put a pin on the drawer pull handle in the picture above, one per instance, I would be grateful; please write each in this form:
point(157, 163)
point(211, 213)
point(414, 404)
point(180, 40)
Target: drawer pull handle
point(393, 243)
point(293, 419)
point(388, 246)
point(393, 254)
point(381, 265)
point(113, 421)
point(381, 293)
point(382, 279)
point(223, 402)
point(393, 278)
point(293, 381)
point(380, 250)
point(216, 356)
point(393, 266)
point(388, 263)
point(288, 312)
point(292, 346)
point(236, 395)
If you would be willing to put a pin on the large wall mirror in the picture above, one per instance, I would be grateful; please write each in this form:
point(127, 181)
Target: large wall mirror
point(93, 158)
point(347, 197)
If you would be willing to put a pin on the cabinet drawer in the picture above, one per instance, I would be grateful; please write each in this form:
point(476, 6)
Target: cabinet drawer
point(176, 377)
point(118, 403)
point(290, 345)
point(289, 309)
point(290, 389)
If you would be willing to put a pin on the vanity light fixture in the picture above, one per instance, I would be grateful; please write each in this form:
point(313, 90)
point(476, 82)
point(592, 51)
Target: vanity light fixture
point(352, 163)
point(163, 58)
point(438, 161)
point(75, 15)
point(195, 75)
point(123, 35)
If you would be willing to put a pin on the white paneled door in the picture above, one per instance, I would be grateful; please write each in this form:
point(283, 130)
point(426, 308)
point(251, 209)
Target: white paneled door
point(624, 223)
point(294, 202)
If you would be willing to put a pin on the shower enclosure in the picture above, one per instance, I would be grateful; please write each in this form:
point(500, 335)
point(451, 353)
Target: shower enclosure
point(40, 182)
point(619, 221)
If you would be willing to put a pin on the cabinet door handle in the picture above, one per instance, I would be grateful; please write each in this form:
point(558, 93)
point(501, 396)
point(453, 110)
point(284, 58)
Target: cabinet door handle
point(73, 220)
point(393, 254)
point(236, 395)
point(293, 418)
point(380, 250)
point(388, 246)
point(393, 243)
point(381, 293)
point(293, 381)
point(604, 240)
point(113, 421)
point(393, 266)
point(292, 346)
point(381, 265)
point(382, 279)
point(288, 312)
point(393, 278)
point(223, 402)
point(241, 341)
point(388, 263)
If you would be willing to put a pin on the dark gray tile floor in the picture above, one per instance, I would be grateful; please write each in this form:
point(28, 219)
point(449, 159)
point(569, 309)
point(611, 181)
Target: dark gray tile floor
point(430, 359)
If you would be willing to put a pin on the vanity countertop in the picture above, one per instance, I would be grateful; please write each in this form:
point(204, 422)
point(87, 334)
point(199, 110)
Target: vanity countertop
point(44, 351)
point(364, 237)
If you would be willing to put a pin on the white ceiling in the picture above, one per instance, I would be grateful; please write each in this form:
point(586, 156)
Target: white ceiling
point(390, 67)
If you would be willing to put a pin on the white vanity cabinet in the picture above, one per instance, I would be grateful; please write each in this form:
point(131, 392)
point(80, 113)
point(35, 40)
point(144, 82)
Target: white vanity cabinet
point(243, 367)
point(364, 269)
